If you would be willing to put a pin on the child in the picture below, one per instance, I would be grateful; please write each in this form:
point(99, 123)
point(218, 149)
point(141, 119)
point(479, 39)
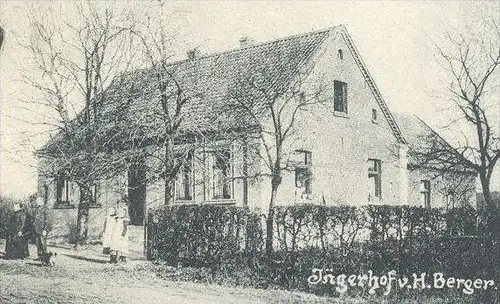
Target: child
point(109, 226)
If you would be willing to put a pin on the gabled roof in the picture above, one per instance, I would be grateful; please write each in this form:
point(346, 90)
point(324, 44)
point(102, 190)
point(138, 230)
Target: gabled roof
point(415, 130)
point(422, 139)
point(209, 79)
point(373, 87)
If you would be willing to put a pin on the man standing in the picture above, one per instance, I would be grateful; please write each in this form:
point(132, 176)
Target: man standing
point(42, 221)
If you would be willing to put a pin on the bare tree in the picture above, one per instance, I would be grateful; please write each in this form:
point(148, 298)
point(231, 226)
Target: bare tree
point(471, 60)
point(472, 63)
point(173, 87)
point(72, 65)
point(271, 100)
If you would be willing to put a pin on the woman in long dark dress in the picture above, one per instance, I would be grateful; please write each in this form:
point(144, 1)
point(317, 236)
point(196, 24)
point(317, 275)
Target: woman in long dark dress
point(16, 246)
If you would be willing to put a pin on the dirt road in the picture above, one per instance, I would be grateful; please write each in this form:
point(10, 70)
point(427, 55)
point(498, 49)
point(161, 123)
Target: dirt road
point(86, 277)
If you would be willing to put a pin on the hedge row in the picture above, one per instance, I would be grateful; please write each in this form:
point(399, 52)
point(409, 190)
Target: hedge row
point(229, 241)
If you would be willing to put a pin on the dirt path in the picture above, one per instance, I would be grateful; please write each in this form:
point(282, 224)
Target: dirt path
point(86, 277)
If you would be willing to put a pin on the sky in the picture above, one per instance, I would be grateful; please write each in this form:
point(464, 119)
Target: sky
point(395, 40)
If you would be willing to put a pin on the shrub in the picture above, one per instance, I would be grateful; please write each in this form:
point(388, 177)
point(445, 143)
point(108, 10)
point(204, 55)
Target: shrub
point(228, 243)
point(203, 236)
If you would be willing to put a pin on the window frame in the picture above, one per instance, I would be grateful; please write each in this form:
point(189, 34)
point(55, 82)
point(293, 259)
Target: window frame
point(374, 116)
point(226, 191)
point(375, 172)
point(94, 195)
point(188, 181)
point(340, 89)
point(303, 172)
point(63, 192)
point(425, 192)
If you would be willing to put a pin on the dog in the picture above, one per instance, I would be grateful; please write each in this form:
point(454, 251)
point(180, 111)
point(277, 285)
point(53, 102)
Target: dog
point(48, 258)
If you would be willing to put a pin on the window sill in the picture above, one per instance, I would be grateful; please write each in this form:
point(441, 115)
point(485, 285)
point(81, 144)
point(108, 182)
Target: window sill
point(72, 206)
point(340, 114)
point(221, 202)
point(375, 201)
point(226, 202)
point(304, 201)
point(184, 201)
point(64, 206)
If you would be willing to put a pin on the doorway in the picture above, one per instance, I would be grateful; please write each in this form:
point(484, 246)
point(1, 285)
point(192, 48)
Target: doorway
point(137, 194)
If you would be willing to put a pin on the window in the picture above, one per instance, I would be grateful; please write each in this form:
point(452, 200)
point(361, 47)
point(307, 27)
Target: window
point(221, 175)
point(375, 179)
point(450, 199)
point(62, 191)
point(341, 54)
point(94, 194)
point(302, 97)
point(425, 190)
point(374, 115)
point(340, 96)
point(184, 181)
point(45, 193)
point(303, 171)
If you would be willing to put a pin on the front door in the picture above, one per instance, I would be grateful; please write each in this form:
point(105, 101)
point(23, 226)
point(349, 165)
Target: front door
point(137, 194)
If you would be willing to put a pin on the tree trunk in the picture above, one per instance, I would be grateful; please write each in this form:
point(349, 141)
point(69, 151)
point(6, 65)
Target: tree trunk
point(492, 230)
point(82, 222)
point(275, 182)
point(485, 187)
point(169, 171)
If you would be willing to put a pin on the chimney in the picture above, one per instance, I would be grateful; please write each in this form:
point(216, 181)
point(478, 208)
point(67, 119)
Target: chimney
point(194, 53)
point(246, 41)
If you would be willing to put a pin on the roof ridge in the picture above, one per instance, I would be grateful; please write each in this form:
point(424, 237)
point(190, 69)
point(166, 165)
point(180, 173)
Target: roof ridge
point(235, 50)
point(254, 45)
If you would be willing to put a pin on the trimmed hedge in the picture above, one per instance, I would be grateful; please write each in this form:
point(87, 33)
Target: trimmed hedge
point(203, 236)
point(228, 241)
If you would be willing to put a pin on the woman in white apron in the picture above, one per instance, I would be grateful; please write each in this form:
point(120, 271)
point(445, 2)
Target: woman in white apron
point(119, 239)
point(109, 227)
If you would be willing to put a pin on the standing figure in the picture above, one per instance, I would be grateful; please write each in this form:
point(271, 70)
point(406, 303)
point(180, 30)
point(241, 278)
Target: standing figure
point(16, 246)
point(123, 221)
point(109, 227)
point(42, 221)
point(119, 243)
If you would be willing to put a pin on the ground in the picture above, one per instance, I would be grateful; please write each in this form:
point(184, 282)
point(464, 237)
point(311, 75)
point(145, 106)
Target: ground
point(84, 276)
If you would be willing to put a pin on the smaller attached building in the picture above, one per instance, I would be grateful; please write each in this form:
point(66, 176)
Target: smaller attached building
point(431, 188)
